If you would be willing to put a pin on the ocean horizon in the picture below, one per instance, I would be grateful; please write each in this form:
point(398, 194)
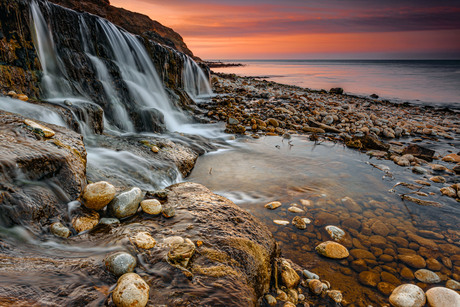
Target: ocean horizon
point(426, 82)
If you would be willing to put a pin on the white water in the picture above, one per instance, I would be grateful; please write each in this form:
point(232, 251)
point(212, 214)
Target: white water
point(31, 110)
point(196, 84)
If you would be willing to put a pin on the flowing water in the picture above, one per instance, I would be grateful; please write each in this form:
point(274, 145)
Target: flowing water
point(315, 177)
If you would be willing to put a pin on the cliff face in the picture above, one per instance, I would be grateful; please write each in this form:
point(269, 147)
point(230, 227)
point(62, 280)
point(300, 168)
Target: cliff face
point(132, 22)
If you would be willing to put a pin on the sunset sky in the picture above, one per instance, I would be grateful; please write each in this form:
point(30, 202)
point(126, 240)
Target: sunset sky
point(305, 29)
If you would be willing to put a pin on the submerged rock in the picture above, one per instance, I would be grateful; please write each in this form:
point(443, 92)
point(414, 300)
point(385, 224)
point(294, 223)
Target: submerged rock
point(180, 253)
point(131, 291)
point(85, 220)
point(126, 204)
point(335, 232)
point(273, 205)
point(427, 276)
point(60, 230)
point(288, 275)
point(120, 263)
point(332, 250)
point(300, 222)
point(98, 195)
point(144, 240)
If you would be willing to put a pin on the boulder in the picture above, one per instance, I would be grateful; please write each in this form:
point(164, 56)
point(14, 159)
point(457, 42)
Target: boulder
point(131, 291)
point(442, 297)
point(419, 152)
point(407, 295)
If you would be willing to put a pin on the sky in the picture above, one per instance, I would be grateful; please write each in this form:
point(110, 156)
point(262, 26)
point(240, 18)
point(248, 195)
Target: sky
point(306, 29)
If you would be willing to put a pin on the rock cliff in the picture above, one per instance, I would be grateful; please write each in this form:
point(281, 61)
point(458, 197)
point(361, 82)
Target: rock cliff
point(135, 23)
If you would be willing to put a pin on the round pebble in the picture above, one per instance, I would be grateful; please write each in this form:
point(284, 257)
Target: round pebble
point(151, 206)
point(131, 291)
point(120, 263)
point(407, 295)
point(98, 195)
point(442, 297)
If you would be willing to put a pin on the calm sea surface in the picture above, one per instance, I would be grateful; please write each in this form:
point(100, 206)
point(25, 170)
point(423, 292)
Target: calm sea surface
point(431, 82)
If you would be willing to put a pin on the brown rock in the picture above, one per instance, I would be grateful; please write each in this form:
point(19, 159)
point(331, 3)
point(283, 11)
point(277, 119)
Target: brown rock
point(386, 258)
point(433, 264)
point(98, 195)
point(351, 205)
point(131, 290)
point(289, 276)
point(369, 278)
point(390, 278)
point(414, 261)
point(385, 288)
point(419, 152)
point(85, 220)
point(407, 273)
point(380, 229)
point(351, 223)
point(359, 265)
point(362, 254)
point(315, 286)
point(323, 218)
point(378, 241)
point(332, 250)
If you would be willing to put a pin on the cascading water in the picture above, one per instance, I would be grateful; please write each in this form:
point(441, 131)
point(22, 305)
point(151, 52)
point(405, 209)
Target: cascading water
point(196, 84)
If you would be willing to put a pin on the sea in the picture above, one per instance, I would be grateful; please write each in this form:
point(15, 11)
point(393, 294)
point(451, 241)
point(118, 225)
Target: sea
point(428, 82)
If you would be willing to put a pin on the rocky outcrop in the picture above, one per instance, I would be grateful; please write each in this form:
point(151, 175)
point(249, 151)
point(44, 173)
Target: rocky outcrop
point(135, 23)
point(18, 60)
point(230, 264)
point(39, 174)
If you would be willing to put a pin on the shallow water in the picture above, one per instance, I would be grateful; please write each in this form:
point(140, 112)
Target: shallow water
point(254, 172)
point(426, 82)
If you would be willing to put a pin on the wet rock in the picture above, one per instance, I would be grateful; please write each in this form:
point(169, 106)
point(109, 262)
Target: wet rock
point(390, 278)
point(452, 158)
point(336, 90)
point(359, 265)
point(22, 97)
point(324, 218)
point(309, 275)
point(433, 264)
point(419, 152)
point(289, 276)
point(427, 276)
point(161, 194)
point(126, 204)
point(60, 230)
point(120, 263)
point(442, 297)
point(449, 191)
point(414, 261)
point(335, 233)
point(369, 278)
point(98, 195)
point(24, 154)
point(362, 254)
point(332, 250)
point(180, 254)
point(438, 179)
point(407, 295)
point(407, 273)
point(271, 300)
point(456, 169)
point(335, 295)
point(385, 288)
point(281, 222)
point(151, 206)
point(168, 211)
point(109, 221)
point(41, 129)
point(300, 222)
point(352, 223)
point(131, 291)
point(273, 205)
point(85, 220)
point(144, 240)
point(421, 202)
point(351, 205)
point(155, 149)
point(380, 228)
point(316, 286)
point(453, 284)
point(295, 210)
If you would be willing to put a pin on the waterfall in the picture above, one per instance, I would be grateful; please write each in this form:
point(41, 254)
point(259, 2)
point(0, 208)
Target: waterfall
point(196, 84)
point(125, 82)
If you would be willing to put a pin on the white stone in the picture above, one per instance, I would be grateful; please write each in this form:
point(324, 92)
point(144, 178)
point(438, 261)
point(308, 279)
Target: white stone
point(427, 276)
point(335, 233)
point(407, 295)
point(151, 206)
point(442, 297)
point(281, 222)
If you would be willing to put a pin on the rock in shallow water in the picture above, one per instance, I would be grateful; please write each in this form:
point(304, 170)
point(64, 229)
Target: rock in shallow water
point(180, 254)
point(335, 232)
point(144, 240)
point(60, 230)
point(407, 295)
point(151, 206)
point(131, 291)
point(98, 195)
point(427, 276)
point(126, 204)
point(332, 250)
point(273, 205)
point(120, 263)
point(47, 132)
point(442, 297)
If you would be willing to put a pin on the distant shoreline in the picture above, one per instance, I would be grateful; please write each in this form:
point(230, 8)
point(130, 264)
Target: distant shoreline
point(216, 64)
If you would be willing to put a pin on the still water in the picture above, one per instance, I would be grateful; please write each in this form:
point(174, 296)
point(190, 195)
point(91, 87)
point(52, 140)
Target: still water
point(426, 82)
point(316, 178)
